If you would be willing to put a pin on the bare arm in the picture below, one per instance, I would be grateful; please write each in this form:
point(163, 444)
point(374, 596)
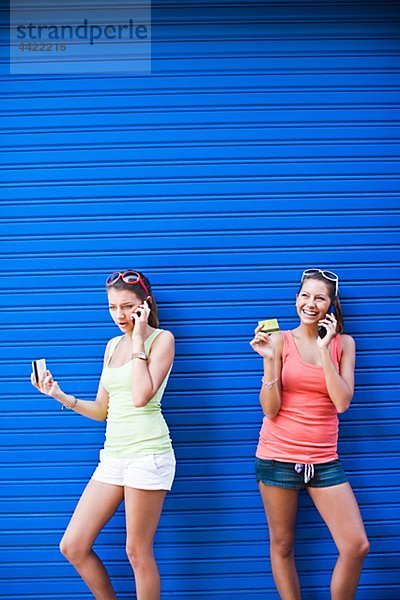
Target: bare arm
point(147, 376)
point(270, 348)
point(96, 410)
point(340, 385)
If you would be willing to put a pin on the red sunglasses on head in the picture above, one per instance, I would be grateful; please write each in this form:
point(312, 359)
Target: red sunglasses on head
point(130, 277)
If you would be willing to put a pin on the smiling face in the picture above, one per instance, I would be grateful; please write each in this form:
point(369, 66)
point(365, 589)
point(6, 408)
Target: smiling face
point(122, 304)
point(313, 301)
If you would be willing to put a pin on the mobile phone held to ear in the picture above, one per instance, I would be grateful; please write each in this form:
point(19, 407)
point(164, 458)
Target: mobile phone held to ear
point(38, 366)
point(322, 331)
point(139, 312)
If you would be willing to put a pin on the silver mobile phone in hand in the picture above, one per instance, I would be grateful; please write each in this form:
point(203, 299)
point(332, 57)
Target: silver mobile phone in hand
point(38, 366)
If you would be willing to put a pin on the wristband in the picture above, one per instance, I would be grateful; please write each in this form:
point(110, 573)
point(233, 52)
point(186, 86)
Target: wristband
point(141, 355)
point(71, 406)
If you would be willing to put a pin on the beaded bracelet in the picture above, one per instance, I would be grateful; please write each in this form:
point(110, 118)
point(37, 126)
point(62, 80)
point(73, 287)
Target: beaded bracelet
point(269, 384)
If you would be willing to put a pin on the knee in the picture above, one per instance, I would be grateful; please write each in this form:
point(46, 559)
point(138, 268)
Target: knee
point(358, 549)
point(138, 554)
point(73, 551)
point(362, 548)
point(282, 547)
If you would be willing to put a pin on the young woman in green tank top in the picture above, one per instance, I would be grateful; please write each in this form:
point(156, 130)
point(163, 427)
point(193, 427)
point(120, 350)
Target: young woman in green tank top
point(137, 463)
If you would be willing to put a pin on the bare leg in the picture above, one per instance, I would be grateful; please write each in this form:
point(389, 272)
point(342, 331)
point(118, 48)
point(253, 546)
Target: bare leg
point(339, 509)
point(281, 508)
point(143, 510)
point(97, 505)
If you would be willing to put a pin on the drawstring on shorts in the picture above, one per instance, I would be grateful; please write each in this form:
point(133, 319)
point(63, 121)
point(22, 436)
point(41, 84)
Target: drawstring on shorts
point(308, 471)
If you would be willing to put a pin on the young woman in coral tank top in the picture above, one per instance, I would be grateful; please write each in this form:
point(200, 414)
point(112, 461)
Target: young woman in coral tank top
point(307, 381)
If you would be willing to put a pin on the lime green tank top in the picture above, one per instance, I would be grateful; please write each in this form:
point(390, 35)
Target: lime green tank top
point(132, 431)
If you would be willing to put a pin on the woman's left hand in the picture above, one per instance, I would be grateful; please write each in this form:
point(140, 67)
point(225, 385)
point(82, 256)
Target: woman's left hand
point(47, 385)
point(329, 322)
point(141, 318)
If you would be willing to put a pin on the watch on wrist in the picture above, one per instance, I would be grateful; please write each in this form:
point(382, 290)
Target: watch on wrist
point(141, 355)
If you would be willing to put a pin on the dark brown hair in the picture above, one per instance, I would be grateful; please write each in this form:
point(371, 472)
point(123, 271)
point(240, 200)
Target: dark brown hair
point(331, 286)
point(137, 289)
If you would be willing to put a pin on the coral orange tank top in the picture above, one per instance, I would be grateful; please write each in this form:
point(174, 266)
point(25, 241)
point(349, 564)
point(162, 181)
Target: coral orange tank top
point(305, 430)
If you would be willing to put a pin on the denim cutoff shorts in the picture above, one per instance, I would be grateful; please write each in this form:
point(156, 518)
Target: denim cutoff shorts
point(291, 475)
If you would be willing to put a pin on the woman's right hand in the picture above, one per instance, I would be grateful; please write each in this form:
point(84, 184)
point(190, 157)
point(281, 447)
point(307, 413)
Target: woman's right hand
point(47, 385)
point(262, 344)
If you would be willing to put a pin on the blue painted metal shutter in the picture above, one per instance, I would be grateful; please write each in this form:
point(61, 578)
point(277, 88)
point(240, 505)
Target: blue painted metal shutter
point(266, 140)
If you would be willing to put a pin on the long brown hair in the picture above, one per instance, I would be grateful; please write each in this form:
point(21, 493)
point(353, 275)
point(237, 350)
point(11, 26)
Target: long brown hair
point(331, 286)
point(137, 289)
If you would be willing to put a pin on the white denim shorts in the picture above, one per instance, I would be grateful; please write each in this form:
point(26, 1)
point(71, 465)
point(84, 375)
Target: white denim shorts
point(145, 472)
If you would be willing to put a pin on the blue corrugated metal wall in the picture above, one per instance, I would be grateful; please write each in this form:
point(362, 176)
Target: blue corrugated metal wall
point(265, 140)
